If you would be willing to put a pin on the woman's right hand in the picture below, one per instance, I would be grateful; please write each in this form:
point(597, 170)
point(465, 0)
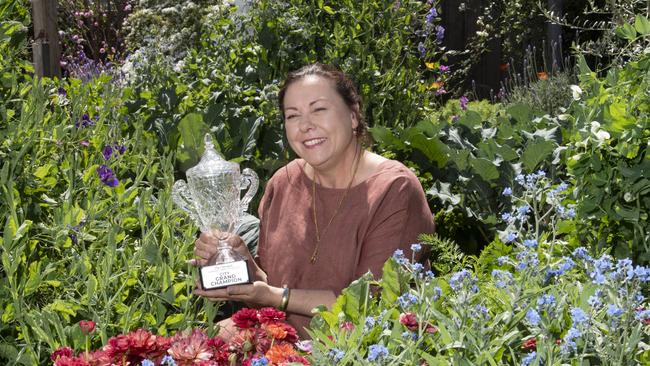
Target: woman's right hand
point(206, 246)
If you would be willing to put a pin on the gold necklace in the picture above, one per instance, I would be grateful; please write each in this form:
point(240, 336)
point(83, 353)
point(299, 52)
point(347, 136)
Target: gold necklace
point(312, 259)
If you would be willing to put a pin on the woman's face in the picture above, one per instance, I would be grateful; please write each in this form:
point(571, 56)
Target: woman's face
point(318, 123)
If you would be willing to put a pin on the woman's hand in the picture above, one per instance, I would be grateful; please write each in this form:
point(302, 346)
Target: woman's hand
point(206, 246)
point(259, 293)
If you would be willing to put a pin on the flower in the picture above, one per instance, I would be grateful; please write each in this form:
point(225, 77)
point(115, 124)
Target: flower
point(530, 243)
point(444, 68)
point(304, 346)
point(613, 310)
point(280, 352)
point(422, 49)
point(262, 361)
point(578, 316)
point(270, 315)
point(431, 15)
point(507, 191)
point(107, 176)
point(87, 326)
point(84, 122)
point(440, 33)
point(377, 352)
point(409, 320)
point(147, 362)
point(463, 102)
point(192, 347)
point(245, 318)
point(530, 344)
point(533, 317)
point(336, 354)
point(107, 151)
point(62, 352)
point(416, 247)
point(347, 325)
point(529, 358)
point(542, 75)
point(168, 361)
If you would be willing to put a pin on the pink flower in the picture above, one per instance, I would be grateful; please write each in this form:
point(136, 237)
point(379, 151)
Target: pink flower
point(87, 326)
point(346, 326)
point(530, 344)
point(127, 7)
point(192, 348)
point(409, 320)
point(70, 361)
point(245, 318)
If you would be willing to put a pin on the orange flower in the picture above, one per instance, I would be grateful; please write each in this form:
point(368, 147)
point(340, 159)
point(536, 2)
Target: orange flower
point(436, 85)
point(504, 67)
point(542, 75)
point(279, 353)
point(277, 331)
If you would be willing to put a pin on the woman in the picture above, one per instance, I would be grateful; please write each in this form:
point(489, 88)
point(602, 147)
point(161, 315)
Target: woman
point(330, 216)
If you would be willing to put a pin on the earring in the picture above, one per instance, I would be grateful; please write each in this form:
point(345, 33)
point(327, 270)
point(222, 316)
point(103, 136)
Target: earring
point(354, 131)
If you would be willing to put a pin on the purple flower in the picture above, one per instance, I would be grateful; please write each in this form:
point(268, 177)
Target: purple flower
point(422, 50)
point(84, 122)
point(431, 15)
point(440, 33)
point(107, 152)
point(61, 91)
point(444, 68)
point(120, 149)
point(107, 176)
point(463, 102)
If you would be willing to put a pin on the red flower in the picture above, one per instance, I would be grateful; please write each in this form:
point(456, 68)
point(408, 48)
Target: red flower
point(62, 352)
point(271, 315)
point(87, 326)
point(409, 320)
point(245, 318)
point(530, 344)
point(298, 359)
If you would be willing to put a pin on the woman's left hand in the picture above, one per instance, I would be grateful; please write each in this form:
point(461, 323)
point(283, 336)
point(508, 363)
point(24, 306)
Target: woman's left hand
point(258, 292)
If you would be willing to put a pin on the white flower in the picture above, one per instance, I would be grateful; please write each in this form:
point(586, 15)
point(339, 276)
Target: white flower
point(601, 135)
point(576, 91)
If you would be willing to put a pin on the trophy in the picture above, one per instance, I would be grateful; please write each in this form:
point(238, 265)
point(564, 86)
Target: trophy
point(212, 198)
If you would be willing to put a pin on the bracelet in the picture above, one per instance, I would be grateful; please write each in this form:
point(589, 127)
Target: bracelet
point(285, 298)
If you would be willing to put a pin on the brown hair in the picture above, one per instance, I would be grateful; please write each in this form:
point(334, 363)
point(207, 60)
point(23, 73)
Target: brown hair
point(343, 85)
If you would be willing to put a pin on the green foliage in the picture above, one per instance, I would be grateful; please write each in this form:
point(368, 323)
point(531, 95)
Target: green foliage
point(14, 54)
point(609, 157)
point(480, 150)
point(446, 256)
point(74, 248)
point(540, 291)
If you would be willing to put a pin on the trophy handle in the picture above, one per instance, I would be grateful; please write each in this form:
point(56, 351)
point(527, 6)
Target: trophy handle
point(183, 198)
point(248, 178)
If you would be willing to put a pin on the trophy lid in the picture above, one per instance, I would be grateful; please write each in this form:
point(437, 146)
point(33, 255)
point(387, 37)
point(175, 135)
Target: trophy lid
point(212, 163)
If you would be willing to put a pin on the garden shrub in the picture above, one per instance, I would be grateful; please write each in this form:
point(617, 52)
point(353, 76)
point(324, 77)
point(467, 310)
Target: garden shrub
point(608, 155)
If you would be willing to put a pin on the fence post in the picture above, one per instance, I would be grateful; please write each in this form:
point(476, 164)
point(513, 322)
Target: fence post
point(45, 48)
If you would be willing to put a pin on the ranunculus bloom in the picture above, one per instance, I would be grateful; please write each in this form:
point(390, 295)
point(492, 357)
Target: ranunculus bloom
point(530, 343)
point(61, 352)
point(191, 347)
point(245, 318)
point(409, 320)
point(276, 330)
point(87, 326)
point(280, 352)
point(271, 315)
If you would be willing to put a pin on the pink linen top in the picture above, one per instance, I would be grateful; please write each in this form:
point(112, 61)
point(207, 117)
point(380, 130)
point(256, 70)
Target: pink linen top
point(384, 213)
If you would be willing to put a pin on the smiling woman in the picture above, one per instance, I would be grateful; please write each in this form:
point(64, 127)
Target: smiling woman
point(330, 216)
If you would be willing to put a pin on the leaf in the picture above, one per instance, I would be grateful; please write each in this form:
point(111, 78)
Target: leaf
point(536, 152)
point(521, 112)
point(442, 191)
point(42, 171)
point(626, 31)
point(249, 132)
point(192, 130)
point(642, 25)
point(328, 10)
point(484, 168)
point(432, 148)
point(355, 297)
point(384, 136)
point(620, 119)
point(173, 319)
point(470, 119)
point(390, 283)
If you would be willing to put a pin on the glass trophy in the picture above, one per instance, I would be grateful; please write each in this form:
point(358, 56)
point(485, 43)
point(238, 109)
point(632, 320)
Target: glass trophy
point(212, 198)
